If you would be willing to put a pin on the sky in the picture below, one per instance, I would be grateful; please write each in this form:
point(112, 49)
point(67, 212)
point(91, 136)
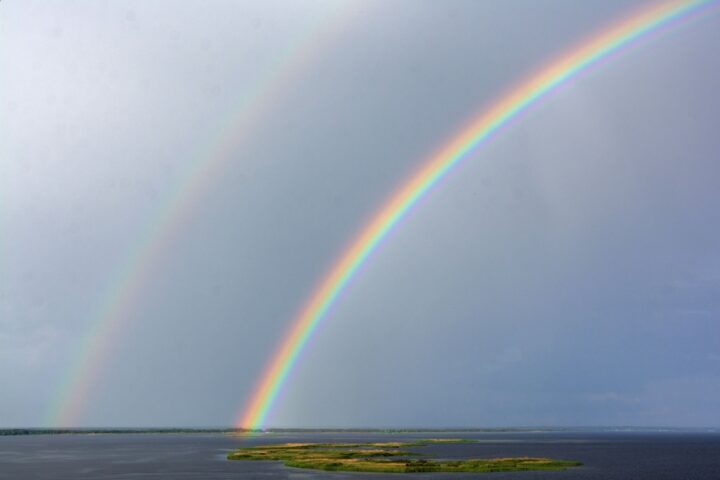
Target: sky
point(567, 274)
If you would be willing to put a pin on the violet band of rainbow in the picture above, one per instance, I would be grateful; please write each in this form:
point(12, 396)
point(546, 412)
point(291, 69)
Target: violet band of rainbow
point(609, 41)
point(113, 314)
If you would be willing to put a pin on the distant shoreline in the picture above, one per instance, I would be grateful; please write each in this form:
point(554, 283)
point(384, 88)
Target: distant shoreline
point(240, 431)
point(114, 431)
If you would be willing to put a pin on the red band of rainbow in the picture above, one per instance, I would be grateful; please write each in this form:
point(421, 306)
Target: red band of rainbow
point(539, 85)
point(113, 314)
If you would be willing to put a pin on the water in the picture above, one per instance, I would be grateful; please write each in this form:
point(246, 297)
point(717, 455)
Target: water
point(617, 456)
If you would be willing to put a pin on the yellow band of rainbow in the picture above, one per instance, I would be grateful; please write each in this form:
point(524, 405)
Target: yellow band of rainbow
point(609, 41)
point(113, 314)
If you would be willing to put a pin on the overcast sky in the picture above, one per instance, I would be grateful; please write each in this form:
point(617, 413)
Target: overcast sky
point(568, 274)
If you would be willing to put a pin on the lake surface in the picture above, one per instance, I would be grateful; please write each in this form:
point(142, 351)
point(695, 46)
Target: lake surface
point(618, 456)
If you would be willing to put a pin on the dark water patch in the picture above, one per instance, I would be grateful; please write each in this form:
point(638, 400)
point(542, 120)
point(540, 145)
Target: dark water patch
point(605, 455)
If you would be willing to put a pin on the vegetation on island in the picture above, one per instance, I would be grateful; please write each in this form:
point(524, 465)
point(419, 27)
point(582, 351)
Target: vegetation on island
point(387, 457)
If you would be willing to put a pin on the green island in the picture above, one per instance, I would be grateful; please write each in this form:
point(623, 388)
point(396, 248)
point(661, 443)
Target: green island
point(387, 457)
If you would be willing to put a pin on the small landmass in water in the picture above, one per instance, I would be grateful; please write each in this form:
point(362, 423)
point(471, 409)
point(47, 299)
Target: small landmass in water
point(387, 457)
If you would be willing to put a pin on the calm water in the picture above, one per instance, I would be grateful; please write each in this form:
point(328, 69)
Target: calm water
point(619, 456)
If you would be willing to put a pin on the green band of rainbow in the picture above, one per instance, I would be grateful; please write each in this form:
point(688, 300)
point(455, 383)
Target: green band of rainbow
point(114, 313)
point(518, 100)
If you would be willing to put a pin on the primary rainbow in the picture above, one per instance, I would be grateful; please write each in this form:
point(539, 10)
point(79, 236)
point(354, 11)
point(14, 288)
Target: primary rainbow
point(113, 314)
point(459, 148)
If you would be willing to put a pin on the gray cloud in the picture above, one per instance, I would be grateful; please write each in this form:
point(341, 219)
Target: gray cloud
point(566, 274)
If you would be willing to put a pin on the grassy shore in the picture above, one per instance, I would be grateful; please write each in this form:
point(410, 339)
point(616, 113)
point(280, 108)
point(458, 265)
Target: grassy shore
point(386, 457)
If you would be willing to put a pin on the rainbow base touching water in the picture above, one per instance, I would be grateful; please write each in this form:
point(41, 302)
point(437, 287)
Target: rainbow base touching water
point(114, 312)
point(589, 53)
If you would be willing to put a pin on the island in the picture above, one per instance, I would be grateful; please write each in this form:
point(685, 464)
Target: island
point(387, 457)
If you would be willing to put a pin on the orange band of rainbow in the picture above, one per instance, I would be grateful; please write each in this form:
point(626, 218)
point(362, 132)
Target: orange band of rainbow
point(609, 41)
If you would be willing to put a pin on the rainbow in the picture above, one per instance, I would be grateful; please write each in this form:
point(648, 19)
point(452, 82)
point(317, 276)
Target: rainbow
point(114, 312)
point(517, 101)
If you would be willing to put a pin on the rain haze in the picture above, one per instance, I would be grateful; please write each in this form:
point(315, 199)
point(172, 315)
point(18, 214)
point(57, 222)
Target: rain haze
point(207, 163)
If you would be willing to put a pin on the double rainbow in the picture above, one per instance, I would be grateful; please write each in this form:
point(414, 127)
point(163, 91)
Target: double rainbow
point(518, 100)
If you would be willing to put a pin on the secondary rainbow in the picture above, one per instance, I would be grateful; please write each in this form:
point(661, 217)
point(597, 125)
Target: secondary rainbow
point(113, 314)
point(518, 100)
